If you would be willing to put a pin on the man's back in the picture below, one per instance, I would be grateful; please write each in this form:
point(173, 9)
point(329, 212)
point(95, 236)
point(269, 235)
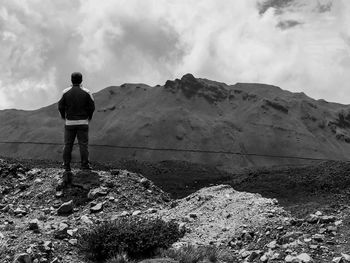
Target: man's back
point(76, 104)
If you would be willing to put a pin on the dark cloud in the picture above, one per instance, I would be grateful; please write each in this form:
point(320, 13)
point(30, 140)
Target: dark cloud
point(286, 24)
point(323, 8)
point(279, 5)
point(155, 39)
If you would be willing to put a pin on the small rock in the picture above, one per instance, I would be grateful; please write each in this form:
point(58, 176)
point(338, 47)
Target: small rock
point(272, 244)
point(71, 232)
point(327, 219)
point(65, 208)
point(304, 257)
point(23, 258)
point(152, 210)
point(289, 258)
point(264, 258)
point(34, 224)
point(60, 185)
point(318, 213)
point(276, 256)
point(96, 208)
point(245, 253)
point(33, 172)
point(59, 194)
point(322, 230)
point(346, 256)
point(337, 260)
point(73, 241)
point(253, 255)
point(146, 183)
point(61, 232)
point(96, 192)
point(38, 181)
point(318, 237)
point(86, 220)
point(19, 211)
point(135, 213)
point(124, 213)
point(332, 229)
point(47, 246)
point(337, 223)
point(312, 219)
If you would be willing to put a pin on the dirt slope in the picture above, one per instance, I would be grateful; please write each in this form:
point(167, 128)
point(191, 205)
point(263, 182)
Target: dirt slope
point(192, 113)
point(249, 227)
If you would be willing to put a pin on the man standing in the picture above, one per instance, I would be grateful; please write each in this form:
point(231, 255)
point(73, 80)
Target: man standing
point(76, 107)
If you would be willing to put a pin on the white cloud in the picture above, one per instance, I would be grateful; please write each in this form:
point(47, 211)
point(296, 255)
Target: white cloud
point(301, 46)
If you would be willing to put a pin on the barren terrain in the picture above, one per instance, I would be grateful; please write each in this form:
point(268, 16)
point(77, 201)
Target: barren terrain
point(269, 224)
point(192, 114)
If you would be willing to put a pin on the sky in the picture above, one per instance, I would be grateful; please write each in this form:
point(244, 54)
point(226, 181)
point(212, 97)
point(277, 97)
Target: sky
point(298, 45)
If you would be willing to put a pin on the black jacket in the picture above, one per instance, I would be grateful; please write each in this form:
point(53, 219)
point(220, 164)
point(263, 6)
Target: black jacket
point(76, 103)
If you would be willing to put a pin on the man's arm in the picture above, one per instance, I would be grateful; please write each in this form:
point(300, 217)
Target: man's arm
point(61, 107)
point(91, 105)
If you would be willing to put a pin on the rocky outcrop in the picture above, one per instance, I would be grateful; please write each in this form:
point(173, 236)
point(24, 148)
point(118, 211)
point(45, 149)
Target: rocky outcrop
point(192, 87)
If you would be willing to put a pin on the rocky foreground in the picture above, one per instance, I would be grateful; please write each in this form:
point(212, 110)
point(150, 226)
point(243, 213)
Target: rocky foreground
point(40, 217)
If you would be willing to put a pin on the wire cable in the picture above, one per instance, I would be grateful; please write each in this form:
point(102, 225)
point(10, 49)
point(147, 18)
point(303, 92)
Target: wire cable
point(180, 150)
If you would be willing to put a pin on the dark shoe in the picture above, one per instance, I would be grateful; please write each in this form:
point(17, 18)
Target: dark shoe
point(67, 177)
point(67, 167)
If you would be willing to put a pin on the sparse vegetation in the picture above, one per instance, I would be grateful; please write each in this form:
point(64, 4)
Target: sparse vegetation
point(120, 258)
point(136, 237)
point(194, 254)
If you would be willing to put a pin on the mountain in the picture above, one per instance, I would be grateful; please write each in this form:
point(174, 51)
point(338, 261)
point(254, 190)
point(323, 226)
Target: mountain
point(192, 113)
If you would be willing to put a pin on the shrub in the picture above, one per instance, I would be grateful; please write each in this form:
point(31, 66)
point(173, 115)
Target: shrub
point(135, 236)
point(120, 258)
point(194, 254)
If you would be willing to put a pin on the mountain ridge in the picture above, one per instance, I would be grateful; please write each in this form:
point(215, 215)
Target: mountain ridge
point(194, 113)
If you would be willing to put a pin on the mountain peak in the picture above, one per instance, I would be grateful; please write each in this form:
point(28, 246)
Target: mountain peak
point(191, 87)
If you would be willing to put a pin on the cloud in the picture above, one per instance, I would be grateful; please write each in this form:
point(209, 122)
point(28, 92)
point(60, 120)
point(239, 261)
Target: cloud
point(286, 24)
point(278, 5)
point(300, 45)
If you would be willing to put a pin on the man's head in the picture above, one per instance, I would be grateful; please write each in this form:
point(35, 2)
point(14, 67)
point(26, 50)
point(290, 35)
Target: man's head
point(76, 78)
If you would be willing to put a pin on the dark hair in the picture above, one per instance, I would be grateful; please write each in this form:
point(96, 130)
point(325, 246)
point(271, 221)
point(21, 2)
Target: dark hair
point(77, 78)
